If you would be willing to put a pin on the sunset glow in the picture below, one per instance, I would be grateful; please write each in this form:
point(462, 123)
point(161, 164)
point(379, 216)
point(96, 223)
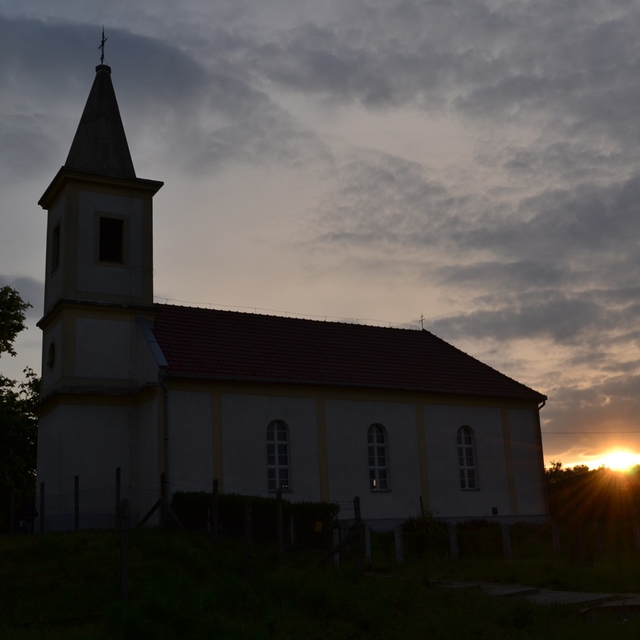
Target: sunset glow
point(619, 460)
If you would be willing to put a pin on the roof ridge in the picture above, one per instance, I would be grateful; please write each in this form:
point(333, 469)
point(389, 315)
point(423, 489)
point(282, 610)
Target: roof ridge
point(240, 345)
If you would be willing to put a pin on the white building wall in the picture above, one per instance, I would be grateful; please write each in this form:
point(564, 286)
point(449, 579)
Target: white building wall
point(104, 348)
point(53, 281)
point(146, 473)
point(50, 375)
point(90, 441)
point(190, 446)
point(110, 279)
point(348, 461)
point(447, 499)
point(526, 456)
point(245, 419)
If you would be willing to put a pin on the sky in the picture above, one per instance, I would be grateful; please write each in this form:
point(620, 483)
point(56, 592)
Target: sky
point(476, 164)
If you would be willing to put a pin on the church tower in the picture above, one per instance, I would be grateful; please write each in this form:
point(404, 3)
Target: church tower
point(98, 287)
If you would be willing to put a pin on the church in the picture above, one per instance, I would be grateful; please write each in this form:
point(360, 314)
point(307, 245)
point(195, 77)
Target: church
point(175, 397)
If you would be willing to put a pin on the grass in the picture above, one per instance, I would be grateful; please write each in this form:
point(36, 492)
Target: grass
point(67, 586)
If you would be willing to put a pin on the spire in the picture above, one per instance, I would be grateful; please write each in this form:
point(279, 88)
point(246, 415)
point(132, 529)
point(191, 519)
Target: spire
point(100, 145)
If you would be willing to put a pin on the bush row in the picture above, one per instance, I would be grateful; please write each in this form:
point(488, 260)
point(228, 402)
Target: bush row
point(311, 522)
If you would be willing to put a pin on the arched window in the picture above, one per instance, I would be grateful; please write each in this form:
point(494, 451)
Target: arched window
point(278, 456)
point(467, 459)
point(378, 471)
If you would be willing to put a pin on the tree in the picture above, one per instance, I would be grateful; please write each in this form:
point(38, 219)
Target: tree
point(18, 423)
point(12, 318)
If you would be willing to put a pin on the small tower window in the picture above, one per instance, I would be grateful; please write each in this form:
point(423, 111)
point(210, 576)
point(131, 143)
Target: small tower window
point(55, 248)
point(111, 245)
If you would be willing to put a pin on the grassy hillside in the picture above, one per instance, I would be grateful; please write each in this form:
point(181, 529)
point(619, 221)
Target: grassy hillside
point(185, 586)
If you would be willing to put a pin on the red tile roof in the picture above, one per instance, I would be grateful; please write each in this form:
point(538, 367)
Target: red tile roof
point(228, 345)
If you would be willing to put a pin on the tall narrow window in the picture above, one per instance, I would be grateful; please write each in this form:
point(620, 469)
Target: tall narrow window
point(55, 248)
point(467, 459)
point(278, 456)
point(378, 472)
point(111, 247)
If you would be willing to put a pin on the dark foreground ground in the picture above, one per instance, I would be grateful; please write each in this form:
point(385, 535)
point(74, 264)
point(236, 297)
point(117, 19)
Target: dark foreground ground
point(186, 586)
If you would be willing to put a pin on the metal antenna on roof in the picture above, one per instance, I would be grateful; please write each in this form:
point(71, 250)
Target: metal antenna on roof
point(101, 47)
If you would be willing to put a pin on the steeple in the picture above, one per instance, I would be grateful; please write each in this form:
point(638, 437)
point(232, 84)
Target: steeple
point(99, 247)
point(100, 144)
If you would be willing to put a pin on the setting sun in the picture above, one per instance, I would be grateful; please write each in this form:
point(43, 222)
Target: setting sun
point(617, 460)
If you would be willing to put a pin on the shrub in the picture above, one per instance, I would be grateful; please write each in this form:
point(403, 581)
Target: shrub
point(313, 521)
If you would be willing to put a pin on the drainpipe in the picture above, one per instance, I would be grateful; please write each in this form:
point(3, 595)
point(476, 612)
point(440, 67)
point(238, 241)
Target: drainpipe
point(166, 431)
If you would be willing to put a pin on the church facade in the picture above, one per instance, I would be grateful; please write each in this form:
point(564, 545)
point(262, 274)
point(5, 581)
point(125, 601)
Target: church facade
point(324, 410)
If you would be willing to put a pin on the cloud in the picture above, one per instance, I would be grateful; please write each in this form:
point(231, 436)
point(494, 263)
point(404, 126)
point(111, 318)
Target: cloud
point(198, 118)
point(527, 236)
point(30, 290)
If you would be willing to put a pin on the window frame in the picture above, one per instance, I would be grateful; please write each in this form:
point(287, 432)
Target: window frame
point(467, 454)
point(276, 468)
point(378, 458)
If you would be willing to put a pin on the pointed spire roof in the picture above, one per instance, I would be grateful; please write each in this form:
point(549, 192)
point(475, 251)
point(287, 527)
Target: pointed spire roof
point(100, 144)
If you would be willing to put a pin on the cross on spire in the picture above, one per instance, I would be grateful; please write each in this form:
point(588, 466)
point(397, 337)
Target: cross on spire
point(101, 47)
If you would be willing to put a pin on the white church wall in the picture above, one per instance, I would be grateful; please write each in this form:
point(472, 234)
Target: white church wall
point(447, 499)
point(244, 421)
point(103, 348)
point(190, 446)
point(145, 474)
point(90, 441)
point(527, 463)
point(50, 375)
point(347, 450)
point(54, 279)
point(110, 279)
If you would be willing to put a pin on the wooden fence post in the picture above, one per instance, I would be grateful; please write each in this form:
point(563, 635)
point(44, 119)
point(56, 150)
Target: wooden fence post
point(124, 547)
point(12, 511)
point(293, 526)
point(336, 542)
point(214, 511)
point(42, 507)
point(118, 519)
point(397, 534)
point(453, 540)
point(248, 539)
point(163, 498)
point(76, 503)
point(359, 536)
point(367, 544)
point(506, 540)
point(555, 537)
point(279, 525)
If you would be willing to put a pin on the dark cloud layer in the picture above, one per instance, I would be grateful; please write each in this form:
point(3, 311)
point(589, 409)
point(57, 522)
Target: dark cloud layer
point(535, 240)
point(204, 118)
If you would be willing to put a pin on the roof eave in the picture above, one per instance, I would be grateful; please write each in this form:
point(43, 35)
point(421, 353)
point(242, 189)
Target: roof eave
point(66, 175)
point(533, 397)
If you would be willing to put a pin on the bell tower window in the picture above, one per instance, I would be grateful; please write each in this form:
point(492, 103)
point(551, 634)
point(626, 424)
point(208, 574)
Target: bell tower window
point(111, 240)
